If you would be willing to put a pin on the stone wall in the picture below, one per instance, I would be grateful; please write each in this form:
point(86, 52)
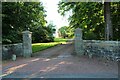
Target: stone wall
point(8, 50)
point(108, 49)
point(104, 49)
point(21, 49)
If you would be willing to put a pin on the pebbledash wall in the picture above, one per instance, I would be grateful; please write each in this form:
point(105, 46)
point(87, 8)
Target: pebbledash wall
point(20, 49)
point(106, 49)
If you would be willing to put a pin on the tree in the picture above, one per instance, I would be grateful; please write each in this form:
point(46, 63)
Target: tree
point(66, 32)
point(90, 17)
point(107, 16)
point(21, 16)
point(51, 30)
point(115, 12)
point(62, 32)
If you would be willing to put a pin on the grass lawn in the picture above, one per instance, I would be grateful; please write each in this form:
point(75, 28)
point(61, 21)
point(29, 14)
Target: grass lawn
point(60, 40)
point(41, 46)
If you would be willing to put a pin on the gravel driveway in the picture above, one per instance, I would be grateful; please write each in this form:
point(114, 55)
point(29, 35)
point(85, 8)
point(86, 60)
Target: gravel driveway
point(57, 62)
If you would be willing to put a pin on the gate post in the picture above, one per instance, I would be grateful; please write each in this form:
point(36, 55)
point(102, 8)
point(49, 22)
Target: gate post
point(78, 42)
point(27, 44)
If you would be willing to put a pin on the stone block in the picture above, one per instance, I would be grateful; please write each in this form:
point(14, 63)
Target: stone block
point(78, 42)
point(27, 44)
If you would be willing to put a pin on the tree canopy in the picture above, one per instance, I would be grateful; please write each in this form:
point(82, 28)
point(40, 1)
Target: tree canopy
point(90, 17)
point(21, 16)
point(66, 32)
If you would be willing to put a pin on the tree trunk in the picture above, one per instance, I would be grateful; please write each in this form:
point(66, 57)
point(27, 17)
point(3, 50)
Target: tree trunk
point(108, 27)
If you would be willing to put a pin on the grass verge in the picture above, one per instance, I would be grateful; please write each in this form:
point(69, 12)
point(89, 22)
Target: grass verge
point(60, 40)
point(42, 46)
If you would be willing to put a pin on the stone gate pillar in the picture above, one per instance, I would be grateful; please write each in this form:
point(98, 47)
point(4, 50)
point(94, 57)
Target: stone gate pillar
point(78, 42)
point(27, 44)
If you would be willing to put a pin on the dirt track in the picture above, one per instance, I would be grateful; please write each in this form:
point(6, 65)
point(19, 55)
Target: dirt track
point(57, 62)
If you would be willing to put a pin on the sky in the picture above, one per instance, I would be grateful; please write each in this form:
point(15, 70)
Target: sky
point(52, 14)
